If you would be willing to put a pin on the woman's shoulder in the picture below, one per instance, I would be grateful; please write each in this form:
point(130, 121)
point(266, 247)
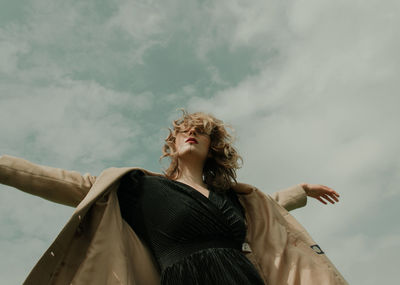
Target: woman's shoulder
point(136, 176)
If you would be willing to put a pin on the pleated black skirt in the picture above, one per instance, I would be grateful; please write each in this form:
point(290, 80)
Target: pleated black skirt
point(213, 266)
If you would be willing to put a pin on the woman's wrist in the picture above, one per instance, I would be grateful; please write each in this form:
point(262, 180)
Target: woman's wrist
point(305, 187)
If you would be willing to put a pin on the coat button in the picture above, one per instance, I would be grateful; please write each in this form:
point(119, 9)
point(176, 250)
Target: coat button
point(246, 247)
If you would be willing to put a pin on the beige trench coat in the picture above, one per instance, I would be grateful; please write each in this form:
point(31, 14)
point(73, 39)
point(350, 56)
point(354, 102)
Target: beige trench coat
point(97, 246)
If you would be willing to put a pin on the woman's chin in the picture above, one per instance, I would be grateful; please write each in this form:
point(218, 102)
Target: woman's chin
point(191, 153)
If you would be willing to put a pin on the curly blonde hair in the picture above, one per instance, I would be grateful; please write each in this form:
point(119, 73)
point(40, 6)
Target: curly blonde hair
point(219, 170)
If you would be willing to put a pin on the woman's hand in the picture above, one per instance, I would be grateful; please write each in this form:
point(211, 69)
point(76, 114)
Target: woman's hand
point(321, 193)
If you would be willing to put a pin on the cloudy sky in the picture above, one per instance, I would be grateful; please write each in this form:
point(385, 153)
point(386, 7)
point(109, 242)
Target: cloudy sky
point(311, 88)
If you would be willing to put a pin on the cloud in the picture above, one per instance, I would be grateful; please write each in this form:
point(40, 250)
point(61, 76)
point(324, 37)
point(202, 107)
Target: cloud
point(261, 25)
point(9, 52)
point(139, 19)
point(364, 252)
point(73, 122)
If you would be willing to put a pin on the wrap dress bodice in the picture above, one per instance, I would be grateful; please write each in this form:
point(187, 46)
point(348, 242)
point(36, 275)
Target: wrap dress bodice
point(194, 239)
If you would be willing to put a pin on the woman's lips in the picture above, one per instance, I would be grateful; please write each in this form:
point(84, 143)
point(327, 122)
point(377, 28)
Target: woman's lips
point(191, 140)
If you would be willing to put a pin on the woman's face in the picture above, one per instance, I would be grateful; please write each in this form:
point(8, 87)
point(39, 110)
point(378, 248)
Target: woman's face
point(193, 142)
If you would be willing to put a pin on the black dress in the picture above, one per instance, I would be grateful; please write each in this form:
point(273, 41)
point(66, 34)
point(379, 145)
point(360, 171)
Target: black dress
point(195, 239)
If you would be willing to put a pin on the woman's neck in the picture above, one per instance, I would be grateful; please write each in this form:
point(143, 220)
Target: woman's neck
point(191, 173)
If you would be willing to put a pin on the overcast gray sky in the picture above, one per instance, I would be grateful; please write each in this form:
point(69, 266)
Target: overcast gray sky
point(311, 88)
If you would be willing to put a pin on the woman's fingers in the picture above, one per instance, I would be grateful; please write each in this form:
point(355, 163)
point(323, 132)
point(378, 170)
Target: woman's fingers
point(324, 198)
point(328, 198)
point(332, 194)
point(331, 191)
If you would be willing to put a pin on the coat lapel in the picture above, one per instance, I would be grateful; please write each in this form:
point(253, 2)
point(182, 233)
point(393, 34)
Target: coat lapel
point(97, 246)
point(103, 182)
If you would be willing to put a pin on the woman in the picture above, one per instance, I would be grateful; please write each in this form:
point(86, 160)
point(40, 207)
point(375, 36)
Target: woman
point(193, 225)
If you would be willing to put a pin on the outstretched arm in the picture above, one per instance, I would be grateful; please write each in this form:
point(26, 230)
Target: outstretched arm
point(54, 184)
point(296, 196)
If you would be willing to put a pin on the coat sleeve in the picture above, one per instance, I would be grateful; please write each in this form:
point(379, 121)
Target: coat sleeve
point(61, 186)
point(291, 198)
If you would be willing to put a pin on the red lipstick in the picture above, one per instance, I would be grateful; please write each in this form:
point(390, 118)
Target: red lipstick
point(191, 140)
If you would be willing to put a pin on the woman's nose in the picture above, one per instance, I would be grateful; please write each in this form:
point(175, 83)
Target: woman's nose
point(192, 131)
